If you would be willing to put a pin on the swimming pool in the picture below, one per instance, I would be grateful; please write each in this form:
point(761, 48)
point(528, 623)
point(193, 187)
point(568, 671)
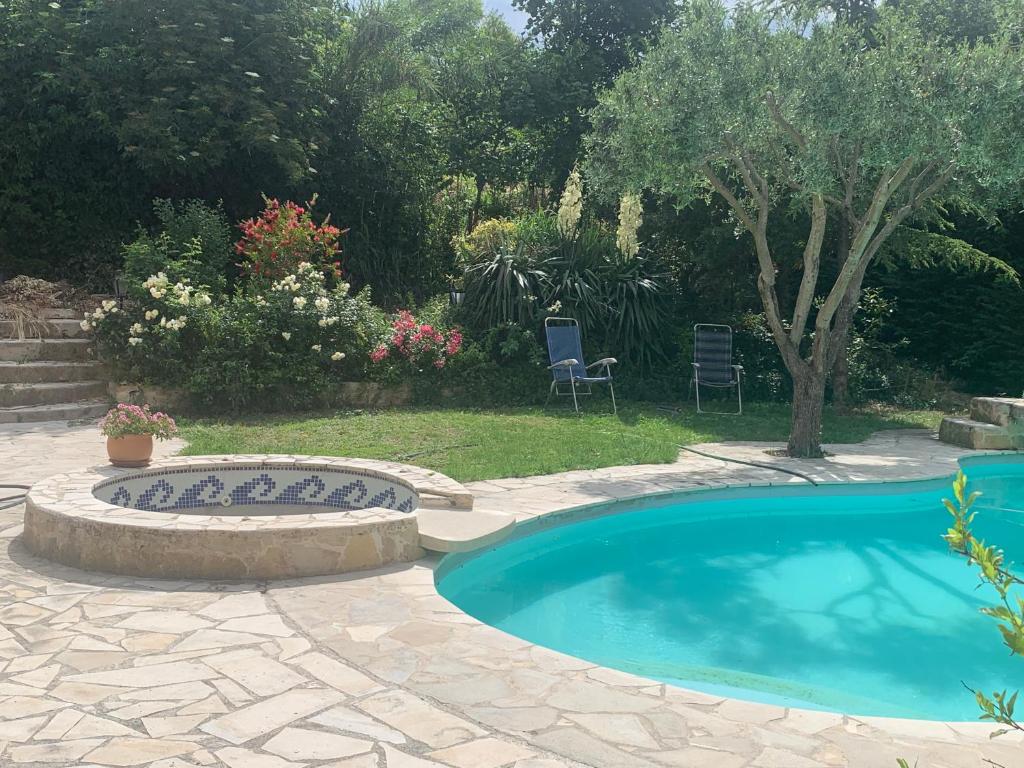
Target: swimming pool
point(841, 597)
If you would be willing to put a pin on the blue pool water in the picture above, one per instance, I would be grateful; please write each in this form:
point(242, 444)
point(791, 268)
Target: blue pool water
point(842, 597)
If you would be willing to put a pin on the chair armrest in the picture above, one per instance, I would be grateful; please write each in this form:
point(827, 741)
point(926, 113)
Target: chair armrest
point(737, 367)
point(564, 364)
point(602, 361)
point(695, 365)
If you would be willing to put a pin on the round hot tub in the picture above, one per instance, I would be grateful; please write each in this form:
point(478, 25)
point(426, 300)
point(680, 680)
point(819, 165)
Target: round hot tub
point(233, 517)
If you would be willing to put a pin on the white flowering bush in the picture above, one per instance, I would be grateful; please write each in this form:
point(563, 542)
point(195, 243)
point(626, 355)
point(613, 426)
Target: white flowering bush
point(281, 348)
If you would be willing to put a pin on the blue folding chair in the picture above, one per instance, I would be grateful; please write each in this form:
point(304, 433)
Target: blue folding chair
point(712, 363)
point(565, 351)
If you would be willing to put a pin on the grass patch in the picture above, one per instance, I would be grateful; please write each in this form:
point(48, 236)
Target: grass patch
point(517, 442)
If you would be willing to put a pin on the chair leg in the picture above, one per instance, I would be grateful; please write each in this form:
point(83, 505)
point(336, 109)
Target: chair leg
point(696, 388)
point(739, 395)
point(575, 402)
point(551, 391)
point(615, 408)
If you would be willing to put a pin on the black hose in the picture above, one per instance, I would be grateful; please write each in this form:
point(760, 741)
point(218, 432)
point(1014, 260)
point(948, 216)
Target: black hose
point(792, 472)
point(12, 501)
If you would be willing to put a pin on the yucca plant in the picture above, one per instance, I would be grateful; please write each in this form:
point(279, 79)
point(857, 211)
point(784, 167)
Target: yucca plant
point(505, 287)
point(523, 272)
point(617, 299)
point(576, 264)
point(634, 293)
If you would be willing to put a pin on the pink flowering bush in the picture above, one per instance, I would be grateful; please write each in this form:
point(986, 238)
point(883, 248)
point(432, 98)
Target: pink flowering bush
point(125, 419)
point(421, 344)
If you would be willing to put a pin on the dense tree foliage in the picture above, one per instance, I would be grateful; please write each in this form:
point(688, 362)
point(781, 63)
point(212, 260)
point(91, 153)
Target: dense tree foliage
point(585, 45)
point(416, 121)
point(108, 105)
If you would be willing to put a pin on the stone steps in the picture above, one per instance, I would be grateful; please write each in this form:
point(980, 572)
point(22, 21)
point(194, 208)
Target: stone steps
point(53, 378)
point(1001, 411)
point(48, 329)
point(995, 424)
point(82, 410)
point(61, 314)
point(47, 372)
point(54, 393)
point(50, 350)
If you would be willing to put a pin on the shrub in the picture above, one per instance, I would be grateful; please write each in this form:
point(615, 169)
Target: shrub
point(504, 286)
point(282, 237)
point(503, 366)
point(418, 344)
point(487, 238)
point(192, 241)
point(273, 351)
point(994, 570)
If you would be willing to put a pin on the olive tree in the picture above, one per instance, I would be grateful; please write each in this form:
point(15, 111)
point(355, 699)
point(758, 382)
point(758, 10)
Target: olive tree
point(780, 114)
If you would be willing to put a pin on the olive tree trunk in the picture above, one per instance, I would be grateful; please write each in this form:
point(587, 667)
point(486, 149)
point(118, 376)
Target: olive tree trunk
point(805, 420)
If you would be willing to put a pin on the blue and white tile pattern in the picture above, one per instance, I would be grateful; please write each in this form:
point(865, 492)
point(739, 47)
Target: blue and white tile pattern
point(200, 489)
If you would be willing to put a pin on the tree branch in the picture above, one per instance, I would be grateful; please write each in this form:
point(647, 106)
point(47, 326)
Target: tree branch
point(730, 198)
point(915, 201)
point(883, 192)
point(766, 277)
point(775, 111)
point(755, 183)
point(850, 185)
point(812, 265)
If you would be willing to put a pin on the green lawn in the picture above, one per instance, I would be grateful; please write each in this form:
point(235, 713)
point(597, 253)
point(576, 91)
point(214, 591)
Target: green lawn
point(516, 442)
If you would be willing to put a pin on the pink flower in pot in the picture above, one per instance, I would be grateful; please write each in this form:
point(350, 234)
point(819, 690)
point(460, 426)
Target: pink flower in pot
point(130, 430)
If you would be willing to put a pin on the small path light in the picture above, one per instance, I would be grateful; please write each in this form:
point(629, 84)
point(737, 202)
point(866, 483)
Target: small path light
point(119, 289)
point(456, 295)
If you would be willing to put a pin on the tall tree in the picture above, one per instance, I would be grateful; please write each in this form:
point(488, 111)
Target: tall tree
point(773, 113)
point(482, 80)
point(953, 22)
point(586, 44)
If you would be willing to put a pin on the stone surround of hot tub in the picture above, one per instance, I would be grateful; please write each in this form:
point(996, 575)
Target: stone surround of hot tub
point(236, 517)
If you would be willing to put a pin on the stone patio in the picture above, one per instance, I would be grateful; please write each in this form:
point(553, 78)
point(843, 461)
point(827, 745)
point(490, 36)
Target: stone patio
point(376, 669)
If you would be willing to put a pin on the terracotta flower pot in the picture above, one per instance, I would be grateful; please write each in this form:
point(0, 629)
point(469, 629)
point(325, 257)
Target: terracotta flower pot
point(130, 450)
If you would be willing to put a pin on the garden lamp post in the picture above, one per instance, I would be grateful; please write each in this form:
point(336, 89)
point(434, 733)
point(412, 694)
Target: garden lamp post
point(456, 295)
point(119, 289)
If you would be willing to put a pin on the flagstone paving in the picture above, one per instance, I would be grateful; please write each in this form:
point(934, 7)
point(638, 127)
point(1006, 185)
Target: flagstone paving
point(375, 669)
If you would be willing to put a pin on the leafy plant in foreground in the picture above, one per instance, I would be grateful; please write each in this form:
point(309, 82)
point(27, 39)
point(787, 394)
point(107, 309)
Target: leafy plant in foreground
point(991, 563)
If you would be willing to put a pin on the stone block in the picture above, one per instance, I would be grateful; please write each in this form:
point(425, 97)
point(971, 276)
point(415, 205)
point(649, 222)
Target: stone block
point(975, 434)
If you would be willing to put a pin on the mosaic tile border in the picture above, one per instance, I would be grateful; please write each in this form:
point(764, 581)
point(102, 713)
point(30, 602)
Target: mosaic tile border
point(232, 485)
point(73, 494)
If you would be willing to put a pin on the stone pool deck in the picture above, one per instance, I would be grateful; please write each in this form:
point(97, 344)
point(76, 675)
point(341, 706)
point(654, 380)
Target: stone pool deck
point(376, 669)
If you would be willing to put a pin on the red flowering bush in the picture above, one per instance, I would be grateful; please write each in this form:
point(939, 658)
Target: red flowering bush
point(422, 344)
point(283, 237)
